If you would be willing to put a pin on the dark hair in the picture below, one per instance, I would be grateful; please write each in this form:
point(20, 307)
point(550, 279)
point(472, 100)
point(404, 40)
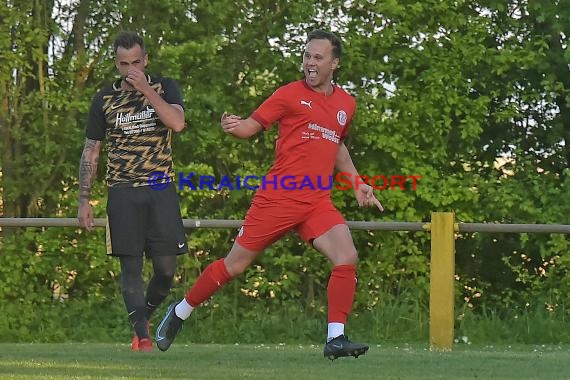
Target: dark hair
point(128, 40)
point(319, 34)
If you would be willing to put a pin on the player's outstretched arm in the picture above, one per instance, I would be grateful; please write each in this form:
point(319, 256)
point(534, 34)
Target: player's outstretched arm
point(363, 192)
point(238, 127)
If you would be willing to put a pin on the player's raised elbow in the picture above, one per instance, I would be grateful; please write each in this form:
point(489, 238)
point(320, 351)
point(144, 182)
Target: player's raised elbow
point(177, 121)
point(178, 127)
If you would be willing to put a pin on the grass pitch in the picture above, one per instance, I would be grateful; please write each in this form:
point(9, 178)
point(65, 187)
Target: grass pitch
point(278, 361)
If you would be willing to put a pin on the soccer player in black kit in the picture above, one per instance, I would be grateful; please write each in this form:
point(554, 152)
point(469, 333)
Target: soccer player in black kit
point(136, 115)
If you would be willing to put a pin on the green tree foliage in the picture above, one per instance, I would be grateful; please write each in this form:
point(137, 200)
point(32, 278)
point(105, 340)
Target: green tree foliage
point(470, 95)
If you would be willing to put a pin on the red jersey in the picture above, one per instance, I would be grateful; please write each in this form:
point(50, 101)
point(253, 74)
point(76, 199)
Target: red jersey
point(312, 126)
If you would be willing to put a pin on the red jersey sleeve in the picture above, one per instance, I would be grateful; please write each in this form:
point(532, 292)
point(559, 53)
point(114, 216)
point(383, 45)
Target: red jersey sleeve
point(345, 130)
point(272, 109)
point(350, 115)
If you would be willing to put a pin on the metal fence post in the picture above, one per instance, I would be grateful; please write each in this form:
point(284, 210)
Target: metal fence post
point(442, 272)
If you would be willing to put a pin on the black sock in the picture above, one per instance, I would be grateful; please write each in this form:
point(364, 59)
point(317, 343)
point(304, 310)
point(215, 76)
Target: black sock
point(149, 309)
point(138, 321)
point(159, 285)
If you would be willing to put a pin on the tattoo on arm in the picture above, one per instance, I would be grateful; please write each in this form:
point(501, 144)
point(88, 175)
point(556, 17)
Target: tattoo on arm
point(88, 168)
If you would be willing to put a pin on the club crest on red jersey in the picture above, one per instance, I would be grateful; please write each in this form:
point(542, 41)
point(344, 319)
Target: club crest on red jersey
point(341, 118)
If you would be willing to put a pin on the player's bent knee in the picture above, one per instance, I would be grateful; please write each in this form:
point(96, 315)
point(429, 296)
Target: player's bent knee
point(352, 257)
point(239, 259)
point(166, 275)
point(235, 269)
point(349, 257)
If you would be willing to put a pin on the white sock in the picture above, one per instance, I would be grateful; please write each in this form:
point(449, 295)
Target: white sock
point(183, 309)
point(335, 329)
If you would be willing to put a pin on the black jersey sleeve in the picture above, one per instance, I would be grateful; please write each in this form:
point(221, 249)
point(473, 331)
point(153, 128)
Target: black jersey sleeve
point(172, 94)
point(96, 123)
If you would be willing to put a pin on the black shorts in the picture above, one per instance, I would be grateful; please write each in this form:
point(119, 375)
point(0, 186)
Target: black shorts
point(141, 219)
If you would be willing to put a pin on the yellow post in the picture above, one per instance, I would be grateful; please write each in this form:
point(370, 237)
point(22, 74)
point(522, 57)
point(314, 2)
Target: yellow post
point(442, 277)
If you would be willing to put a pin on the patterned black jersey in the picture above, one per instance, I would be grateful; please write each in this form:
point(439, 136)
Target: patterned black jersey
point(138, 143)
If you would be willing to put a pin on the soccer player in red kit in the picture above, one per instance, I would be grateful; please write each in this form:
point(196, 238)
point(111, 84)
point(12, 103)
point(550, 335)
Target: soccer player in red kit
point(314, 117)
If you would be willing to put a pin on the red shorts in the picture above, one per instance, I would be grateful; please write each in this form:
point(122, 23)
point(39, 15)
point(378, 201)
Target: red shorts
point(266, 222)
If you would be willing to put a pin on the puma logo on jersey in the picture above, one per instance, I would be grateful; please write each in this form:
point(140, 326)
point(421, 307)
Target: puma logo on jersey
point(308, 104)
